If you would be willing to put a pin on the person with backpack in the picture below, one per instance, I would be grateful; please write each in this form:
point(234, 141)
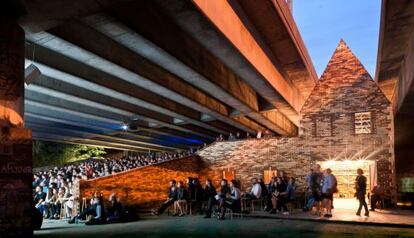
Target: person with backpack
point(328, 189)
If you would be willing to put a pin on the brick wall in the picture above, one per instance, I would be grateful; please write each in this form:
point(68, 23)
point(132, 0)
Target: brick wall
point(142, 186)
point(326, 131)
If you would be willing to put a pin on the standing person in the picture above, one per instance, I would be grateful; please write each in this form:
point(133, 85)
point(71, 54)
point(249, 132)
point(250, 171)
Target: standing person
point(210, 192)
point(328, 185)
point(198, 199)
point(361, 187)
point(308, 206)
point(315, 188)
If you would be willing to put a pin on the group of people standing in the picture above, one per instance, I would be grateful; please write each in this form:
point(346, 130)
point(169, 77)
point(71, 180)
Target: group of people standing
point(321, 187)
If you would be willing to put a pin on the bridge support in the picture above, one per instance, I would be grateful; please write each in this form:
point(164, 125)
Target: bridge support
point(15, 140)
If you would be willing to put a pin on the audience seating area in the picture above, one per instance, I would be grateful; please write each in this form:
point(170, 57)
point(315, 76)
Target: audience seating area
point(53, 187)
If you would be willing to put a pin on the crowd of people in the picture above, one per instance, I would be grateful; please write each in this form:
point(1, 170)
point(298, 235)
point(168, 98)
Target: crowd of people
point(239, 136)
point(276, 195)
point(53, 187)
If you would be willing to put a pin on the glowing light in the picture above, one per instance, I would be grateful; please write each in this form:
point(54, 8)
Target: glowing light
point(11, 116)
point(124, 127)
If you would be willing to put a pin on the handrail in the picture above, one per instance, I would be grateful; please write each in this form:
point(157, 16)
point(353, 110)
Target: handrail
point(245, 139)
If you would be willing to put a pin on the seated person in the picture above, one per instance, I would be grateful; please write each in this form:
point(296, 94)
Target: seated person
point(210, 193)
point(181, 203)
point(256, 191)
point(377, 195)
point(62, 198)
point(39, 198)
point(271, 187)
point(115, 211)
point(46, 204)
point(288, 196)
point(172, 197)
point(53, 204)
point(278, 196)
point(233, 199)
point(96, 210)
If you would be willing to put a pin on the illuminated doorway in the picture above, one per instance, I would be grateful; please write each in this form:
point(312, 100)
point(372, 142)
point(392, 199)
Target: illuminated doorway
point(345, 173)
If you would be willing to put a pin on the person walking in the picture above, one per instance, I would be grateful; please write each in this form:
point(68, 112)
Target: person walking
point(361, 187)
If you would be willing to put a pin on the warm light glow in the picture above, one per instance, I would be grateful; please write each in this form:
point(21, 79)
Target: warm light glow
point(11, 116)
point(346, 163)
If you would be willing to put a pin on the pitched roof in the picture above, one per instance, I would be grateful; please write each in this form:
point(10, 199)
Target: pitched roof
point(345, 81)
point(344, 64)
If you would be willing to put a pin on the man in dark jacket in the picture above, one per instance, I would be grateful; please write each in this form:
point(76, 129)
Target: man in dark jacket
point(361, 187)
point(172, 197)
point(210, 192)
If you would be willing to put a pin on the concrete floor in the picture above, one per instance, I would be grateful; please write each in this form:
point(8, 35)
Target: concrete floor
point(197, 226)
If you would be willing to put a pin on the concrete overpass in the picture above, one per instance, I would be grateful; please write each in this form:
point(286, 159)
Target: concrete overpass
point(395, 74)
point(179, 72)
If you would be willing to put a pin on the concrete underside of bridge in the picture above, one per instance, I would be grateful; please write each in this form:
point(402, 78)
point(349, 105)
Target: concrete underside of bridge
point(395, 75)
point(176, 72)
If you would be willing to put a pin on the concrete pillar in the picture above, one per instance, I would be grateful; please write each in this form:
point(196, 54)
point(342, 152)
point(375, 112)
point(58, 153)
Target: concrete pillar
point(15, 140)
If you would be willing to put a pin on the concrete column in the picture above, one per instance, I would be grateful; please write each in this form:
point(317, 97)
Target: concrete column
point(11, 73)
point(15, 140)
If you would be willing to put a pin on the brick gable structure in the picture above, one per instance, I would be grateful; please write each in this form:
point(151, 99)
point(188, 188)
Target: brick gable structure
point(346, 123)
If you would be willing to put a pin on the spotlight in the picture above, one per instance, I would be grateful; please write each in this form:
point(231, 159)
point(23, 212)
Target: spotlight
point(124, 127)
point(31, 73)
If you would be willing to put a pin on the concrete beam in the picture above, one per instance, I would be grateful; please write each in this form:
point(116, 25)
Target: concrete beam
point(86, 133)
point(162, 83)
point(108, 129)
point(65, 83)
point(280, 41)
point(54, 104)
point(188, 17)
point(64, 139)
point(395, 72)
point(90, 78)
point(223, 16)
point(93, 106)
point(213, 76)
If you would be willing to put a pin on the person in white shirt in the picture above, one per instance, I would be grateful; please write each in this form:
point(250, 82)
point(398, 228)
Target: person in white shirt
point(256, 191)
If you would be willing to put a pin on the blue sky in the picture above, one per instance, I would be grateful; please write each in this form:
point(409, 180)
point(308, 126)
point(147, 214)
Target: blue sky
point(322, 23)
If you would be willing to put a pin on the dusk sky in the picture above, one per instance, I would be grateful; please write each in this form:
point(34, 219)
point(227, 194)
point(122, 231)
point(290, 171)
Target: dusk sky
point(322, 23)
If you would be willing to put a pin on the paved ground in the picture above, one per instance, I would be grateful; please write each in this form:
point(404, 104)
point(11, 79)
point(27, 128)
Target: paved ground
point(392, 217)
point(197, 226)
